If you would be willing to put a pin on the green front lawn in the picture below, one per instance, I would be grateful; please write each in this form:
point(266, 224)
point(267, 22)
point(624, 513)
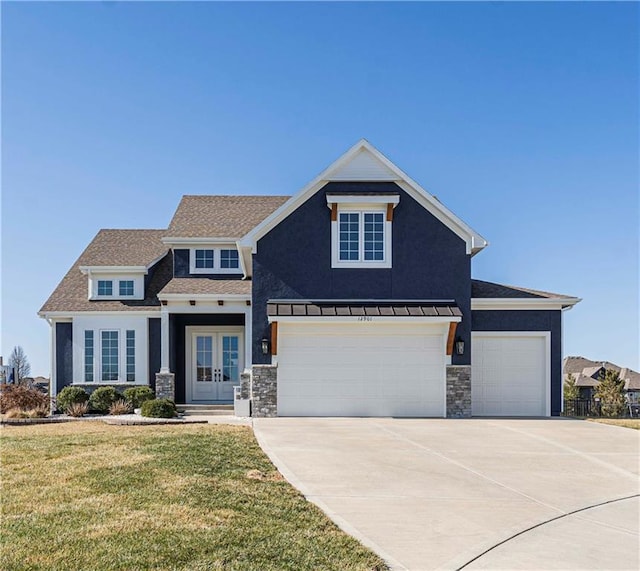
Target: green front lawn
point(200, 497)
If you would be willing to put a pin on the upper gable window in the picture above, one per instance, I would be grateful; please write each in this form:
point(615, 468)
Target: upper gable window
point(214, 260)
point(361, 237)
point(361, 232)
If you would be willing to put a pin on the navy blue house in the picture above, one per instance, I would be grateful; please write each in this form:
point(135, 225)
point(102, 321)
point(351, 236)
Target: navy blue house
point(353, 297)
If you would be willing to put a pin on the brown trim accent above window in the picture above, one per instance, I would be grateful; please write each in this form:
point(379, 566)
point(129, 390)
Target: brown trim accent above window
point(274, 338)
point(389, 212)
point(451, 337)
point(334, 212)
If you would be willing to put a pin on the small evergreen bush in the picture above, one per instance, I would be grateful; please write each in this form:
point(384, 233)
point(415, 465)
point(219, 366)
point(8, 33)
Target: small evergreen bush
point(159, 408)
point(610, 391)
point(102, 398)
point(71, 395)
point(135, 396)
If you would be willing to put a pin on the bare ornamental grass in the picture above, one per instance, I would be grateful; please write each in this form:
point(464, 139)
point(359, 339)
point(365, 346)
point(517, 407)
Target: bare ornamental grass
point(199, 497)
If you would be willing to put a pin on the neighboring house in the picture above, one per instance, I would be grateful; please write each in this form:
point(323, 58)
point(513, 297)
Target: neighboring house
point(352, 297)
point(587, 375)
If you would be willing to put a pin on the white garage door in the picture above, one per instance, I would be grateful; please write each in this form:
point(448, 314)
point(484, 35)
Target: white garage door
point(509, 374)
point(361, 369)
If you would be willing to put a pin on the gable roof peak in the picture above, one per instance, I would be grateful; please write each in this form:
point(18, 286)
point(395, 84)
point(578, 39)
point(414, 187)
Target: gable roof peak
point(363, 162)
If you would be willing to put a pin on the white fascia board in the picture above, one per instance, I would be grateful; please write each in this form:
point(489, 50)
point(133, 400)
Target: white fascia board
point(362, 319)
point(116, 269)
point(197, 241)
point(359, 199)
point(71, 314)
point(475, 242)
point(522, 304)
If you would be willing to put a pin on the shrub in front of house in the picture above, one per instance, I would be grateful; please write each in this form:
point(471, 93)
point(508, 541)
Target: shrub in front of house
point(78, 409)
point(22, 398)
point(135, 396)
point(71, 395)
point(120, 406)
point(102, 398)
point(159, 408)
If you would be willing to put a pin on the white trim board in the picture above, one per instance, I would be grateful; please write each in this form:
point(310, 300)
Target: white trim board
point(474, 241)
point(363, 319)
point(522, 303)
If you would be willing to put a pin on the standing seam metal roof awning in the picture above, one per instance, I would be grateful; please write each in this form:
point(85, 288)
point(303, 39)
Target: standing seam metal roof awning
point(356, 308)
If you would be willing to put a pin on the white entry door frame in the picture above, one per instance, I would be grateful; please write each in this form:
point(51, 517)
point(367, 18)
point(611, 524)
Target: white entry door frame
point(214, 359)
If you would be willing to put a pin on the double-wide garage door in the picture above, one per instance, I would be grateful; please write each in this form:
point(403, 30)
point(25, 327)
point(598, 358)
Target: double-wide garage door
point(361, 369)
point(510, 374)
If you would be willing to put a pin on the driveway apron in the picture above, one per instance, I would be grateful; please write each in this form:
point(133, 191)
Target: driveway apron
point(470, 494)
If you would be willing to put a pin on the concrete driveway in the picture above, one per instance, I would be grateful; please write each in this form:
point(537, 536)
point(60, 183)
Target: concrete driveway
point(470, 494)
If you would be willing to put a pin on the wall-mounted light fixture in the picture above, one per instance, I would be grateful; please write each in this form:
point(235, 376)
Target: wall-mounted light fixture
point(459, 346)
point(265, 346)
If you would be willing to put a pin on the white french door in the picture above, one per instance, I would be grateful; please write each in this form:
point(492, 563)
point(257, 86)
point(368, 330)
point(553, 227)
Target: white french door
point(214, 362)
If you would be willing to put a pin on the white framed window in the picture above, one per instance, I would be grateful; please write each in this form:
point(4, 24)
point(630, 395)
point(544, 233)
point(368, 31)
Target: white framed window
point(105, 287)
point(131, 355)
point(223, 260)
point(125, 288)
point(204, 259)
point(361, 238)
point(109, 355)
point(88, 356)
point(229, 259)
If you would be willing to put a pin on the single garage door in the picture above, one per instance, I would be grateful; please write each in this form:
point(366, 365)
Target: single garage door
point(510, 374)
point(361, 369)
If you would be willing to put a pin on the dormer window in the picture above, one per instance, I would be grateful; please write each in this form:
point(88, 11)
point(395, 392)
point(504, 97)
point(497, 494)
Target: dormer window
point(105, 287)
point(126, 288)
point(214, 261)
point(229, 259)
point(204, 259)
point(361, 230)
point(111, 286)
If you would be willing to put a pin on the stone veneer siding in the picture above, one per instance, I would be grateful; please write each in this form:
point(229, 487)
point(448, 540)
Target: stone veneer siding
point(245, 385)
point(458, 391)
point(264, 389)
point(165, 386)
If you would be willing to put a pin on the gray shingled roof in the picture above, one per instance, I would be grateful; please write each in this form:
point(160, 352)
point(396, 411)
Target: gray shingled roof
point(480, 289)
point(124, 248)
point(207, 286)
point(114, 248)
point(579, 364)
point(221, 216)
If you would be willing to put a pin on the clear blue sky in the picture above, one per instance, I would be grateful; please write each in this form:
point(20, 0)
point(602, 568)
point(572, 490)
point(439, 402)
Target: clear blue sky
point(522, 118)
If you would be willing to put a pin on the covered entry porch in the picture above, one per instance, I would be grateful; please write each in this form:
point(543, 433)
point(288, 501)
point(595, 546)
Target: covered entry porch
point(205, 347)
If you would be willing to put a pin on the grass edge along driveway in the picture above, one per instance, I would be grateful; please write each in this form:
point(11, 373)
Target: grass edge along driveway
point(200, 497)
